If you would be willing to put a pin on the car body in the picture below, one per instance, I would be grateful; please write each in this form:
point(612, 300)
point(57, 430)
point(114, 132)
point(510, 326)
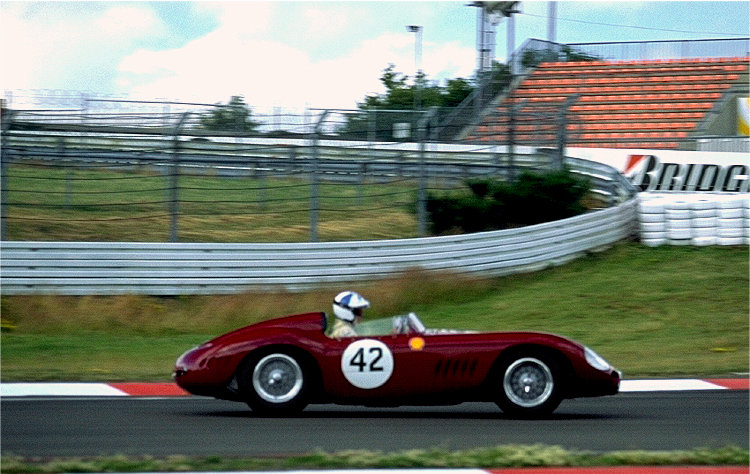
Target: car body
point(281, 365)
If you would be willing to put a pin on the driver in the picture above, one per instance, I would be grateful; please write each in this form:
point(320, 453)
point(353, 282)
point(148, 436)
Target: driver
point(347, 307)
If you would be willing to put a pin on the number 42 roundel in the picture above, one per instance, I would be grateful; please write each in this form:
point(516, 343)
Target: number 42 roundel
point(367, 363)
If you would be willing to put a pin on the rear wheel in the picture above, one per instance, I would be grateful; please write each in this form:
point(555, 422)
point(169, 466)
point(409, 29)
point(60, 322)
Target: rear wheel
point(275, 384)
point(529, 385)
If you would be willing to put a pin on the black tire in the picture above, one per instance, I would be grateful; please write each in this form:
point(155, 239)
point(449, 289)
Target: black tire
point(275, 383)
point(529, 385)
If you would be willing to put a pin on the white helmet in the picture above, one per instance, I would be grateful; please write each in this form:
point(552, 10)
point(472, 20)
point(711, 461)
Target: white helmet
point(347, 305)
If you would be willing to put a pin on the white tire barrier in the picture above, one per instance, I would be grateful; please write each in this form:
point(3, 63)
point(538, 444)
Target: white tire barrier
point(732, 213)
point(694, 219)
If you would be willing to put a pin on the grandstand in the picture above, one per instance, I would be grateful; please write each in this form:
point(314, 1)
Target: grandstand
point(654, 104)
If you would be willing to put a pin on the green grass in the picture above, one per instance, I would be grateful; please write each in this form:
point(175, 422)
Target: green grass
point(490, 457)
point(133, 205)
point(668, 311)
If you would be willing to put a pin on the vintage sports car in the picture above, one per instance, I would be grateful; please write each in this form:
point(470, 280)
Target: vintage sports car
point(281, 365)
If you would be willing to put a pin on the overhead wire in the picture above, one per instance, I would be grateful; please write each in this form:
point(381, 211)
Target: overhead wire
point(669, 30)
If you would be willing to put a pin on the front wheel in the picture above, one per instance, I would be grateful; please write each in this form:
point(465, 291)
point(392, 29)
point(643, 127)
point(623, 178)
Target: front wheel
point(529, 386)
point(275, 384)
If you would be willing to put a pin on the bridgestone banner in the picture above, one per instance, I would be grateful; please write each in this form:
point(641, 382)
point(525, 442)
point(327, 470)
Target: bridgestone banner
point(667, 170)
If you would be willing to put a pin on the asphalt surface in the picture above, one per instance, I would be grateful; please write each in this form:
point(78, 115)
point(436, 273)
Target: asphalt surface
point(202, 426)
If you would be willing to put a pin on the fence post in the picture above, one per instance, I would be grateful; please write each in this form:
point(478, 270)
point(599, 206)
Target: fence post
point(314, 178)
point(511, 174)
point(174, 174)
point(422, 125)
point(562, 132)
point(513, 111)
point(361, 177)
point(7, 120)
point(372, 130)
point(260, 178)
point(68, 173)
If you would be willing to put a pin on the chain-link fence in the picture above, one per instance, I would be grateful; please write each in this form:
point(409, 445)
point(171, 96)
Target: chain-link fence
point(195, 172)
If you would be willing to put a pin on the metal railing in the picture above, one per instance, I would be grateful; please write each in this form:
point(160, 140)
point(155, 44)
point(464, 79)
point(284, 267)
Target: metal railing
point(534, 51)
point(98, 268)
point(666, 49)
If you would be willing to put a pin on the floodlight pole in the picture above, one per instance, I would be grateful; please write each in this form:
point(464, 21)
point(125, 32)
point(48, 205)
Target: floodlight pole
point(417, 30)
point(552, 21)
point(489, 15)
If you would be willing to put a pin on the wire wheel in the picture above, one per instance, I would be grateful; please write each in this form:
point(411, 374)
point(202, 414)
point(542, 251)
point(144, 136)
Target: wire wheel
point(528, 383)
point(277, 378)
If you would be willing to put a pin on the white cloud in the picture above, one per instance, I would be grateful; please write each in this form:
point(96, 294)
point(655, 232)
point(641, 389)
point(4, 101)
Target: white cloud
point(241, 18)
point(127, 22)
point(109, 48)
point(67, 46)
point(327, 21)
point(270, 74)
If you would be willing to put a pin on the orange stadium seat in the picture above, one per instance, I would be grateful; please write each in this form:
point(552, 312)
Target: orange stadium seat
point(622, 103)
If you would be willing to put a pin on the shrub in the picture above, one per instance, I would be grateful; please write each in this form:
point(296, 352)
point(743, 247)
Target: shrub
point(491, 204)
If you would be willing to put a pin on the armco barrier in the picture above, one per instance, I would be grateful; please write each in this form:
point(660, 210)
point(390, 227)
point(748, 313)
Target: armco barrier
point(99, 268)
point(698, 219)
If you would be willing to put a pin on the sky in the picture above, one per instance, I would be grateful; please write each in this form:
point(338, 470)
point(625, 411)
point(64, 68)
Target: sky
point(290, 55)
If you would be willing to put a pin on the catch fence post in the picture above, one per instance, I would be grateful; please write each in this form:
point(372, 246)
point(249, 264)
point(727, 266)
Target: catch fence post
point(314, 178)
point(372, 131)
point(422, 126)
point(562, 132)
point(174, 174)
point(68, 173)
point(260, 177)
point(7, 121)
point(514, 110)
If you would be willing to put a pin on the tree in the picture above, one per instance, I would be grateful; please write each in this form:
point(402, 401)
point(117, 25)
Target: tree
point(456, 90)
point(235, 116)
point(399, 93)
point(397, 103)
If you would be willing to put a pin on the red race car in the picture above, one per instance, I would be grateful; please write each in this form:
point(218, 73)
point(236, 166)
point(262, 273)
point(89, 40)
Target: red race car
point(280, 366)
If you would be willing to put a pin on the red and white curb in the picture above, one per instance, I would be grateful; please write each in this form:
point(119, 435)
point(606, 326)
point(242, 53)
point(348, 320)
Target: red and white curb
point(84, 389)
point(134, 389)
point(529, 470)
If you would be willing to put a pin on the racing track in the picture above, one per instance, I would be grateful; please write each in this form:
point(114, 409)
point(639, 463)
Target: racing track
point(201, 426)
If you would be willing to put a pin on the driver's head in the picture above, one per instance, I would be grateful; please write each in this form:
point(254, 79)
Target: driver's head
point(348, 305)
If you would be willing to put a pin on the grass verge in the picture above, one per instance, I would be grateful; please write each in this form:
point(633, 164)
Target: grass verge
point(668, 311)
point(491, 457)
point(97, 204)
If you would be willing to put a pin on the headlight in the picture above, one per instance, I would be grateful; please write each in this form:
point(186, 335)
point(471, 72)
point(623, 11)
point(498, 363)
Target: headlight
point(596, 361)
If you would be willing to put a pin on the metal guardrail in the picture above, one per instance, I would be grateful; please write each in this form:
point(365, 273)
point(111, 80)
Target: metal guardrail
point(26, 142)
point(83, 268)
point(98, 268)
point(724, 144)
